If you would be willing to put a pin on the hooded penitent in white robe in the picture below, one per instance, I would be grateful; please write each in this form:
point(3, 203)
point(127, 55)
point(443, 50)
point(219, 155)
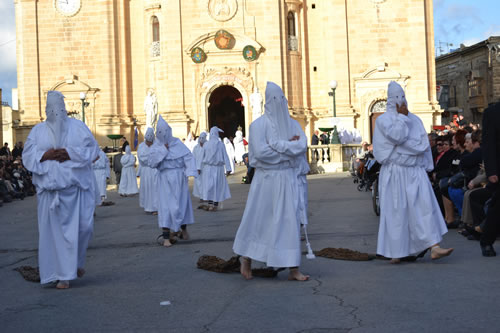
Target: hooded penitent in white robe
point(102, 172)
point(190, 143)
point(148, 192)
point(270, 229)
point(230, 153)
point(65, 190)
point(175, 164)
point(410, 218)
point(215, 187)
point(198, 158)
point(128, 179)
point(239, 146)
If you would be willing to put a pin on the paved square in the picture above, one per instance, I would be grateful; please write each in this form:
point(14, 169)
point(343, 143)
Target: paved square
point(128, 275)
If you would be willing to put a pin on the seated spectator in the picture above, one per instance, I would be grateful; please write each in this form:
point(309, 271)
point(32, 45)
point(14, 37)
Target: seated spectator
point(442, 173)
point(472, 200)
point(469, 162)
point(247, 179)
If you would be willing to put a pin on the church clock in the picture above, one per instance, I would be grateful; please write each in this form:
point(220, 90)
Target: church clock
point(67, 7)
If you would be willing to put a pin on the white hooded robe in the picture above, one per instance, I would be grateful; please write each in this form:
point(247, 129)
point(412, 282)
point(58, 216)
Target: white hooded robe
point(102, 172)
point(148, 192)
point(198, 158)
point(128, 179)
point(65, 191)
point(230, 154)
point(239, 147)
point(215, 162)
point(174, 165)
point(270, 228)
point(410, 217)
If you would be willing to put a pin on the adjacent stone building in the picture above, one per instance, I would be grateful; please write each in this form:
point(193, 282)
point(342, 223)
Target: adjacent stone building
point(204, 58)
point(469, 79)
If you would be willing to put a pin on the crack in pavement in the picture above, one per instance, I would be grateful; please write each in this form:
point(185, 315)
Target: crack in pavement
point(16, 262)
point(29, 307)
point(342, 304)
point(206, 327)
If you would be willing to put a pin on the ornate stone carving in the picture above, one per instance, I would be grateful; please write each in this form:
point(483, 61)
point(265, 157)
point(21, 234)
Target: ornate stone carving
point(226, 75)
point(222, 10)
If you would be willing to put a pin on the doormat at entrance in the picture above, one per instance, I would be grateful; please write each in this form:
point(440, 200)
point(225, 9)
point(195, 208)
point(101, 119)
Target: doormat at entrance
point(219, 265)
point(31, 274)
point(344, 254)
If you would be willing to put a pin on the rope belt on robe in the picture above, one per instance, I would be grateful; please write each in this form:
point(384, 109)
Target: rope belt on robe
point(55, 202)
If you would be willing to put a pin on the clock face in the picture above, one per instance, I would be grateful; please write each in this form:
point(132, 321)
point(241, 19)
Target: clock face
point(67, 7)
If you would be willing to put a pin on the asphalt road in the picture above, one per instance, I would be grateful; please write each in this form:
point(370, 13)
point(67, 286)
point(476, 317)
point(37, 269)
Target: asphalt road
point(128, 275)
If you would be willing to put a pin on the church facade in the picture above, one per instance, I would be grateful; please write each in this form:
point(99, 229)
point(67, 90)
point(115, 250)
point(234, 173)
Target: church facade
point(205, 60)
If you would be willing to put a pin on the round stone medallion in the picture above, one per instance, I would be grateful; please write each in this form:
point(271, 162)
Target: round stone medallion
point(198, 55)
point(222, 10)
point(249, 53)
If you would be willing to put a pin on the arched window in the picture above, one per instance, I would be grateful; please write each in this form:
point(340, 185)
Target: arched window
point(291, 24)
point(156, 29)
point(293, 44)
point(155, 44)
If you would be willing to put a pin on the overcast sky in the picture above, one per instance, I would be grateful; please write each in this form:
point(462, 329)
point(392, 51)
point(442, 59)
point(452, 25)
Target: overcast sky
point(455, 22)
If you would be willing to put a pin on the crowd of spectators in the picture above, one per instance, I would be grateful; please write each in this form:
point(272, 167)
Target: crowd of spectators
point(459, 179)
point(15, 180)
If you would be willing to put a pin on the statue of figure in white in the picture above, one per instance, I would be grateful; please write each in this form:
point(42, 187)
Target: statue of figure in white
point(256, 102)
point(151, 109)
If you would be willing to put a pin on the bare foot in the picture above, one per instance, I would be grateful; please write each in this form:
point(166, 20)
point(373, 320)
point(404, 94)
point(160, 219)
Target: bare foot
point(167, 243)
point(62, 284)
point(80, 272)
point(296, 275)
point(185, 234)
point(437, 252)
point(246, 268)
point(395, 261)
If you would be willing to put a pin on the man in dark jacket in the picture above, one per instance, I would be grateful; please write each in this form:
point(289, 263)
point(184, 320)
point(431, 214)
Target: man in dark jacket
point(18, 150)
point(491, 156)
point(5, 151)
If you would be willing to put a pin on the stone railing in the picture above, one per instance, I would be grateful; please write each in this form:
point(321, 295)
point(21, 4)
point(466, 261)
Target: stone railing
point(331, 158)
point(293, 43)
point(155, 49)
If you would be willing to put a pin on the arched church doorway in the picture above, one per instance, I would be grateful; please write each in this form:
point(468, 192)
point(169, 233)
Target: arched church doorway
point(377, 109)
point(226, 110)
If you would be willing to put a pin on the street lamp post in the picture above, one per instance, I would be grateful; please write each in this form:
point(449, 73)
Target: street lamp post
point(335, 135)
point(84, 104)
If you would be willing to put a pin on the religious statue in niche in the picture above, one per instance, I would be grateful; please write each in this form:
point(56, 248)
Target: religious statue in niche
point(222, 10)
point(256, 102)
point(151, 109)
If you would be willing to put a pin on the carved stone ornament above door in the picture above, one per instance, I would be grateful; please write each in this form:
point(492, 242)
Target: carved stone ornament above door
point(222, 10)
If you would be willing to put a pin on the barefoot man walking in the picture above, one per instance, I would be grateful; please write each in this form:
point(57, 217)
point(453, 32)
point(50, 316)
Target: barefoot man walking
point(270, 230)
point(59, 152)
point(410, 218)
